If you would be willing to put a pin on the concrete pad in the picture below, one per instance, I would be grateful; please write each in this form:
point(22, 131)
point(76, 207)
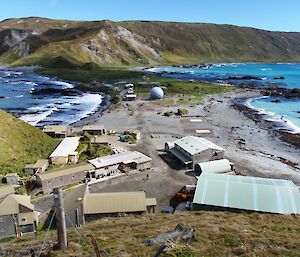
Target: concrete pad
point(196, 120)
point(203, 131)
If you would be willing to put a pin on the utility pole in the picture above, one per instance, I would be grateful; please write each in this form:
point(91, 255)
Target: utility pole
point(60, 218)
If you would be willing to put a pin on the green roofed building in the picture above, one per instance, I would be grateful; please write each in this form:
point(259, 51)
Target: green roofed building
point(230, 192)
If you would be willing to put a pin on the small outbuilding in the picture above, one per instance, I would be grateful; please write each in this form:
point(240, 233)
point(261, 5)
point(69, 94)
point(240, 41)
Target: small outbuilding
point(17, 215)
point(12, 179)
point(130, 97)
point(218, 166)
point(39, 166)
point(94, 130)
point(57, 131)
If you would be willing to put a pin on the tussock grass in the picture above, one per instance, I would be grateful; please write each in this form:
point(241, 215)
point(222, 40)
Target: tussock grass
point(217, 234)
point(21, 143)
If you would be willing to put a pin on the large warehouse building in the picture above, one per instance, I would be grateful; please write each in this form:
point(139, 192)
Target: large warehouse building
point(231, 192)
point(191, 150)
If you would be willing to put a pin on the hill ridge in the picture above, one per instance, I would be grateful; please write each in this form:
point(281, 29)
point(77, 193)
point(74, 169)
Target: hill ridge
point(106, 42)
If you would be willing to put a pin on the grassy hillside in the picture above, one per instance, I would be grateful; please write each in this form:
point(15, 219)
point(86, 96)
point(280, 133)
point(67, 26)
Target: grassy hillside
point(217, 234)
point(73, 44)
point(21, 143)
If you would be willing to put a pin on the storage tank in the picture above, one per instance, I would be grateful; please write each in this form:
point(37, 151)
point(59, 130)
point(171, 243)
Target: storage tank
point(218, 166)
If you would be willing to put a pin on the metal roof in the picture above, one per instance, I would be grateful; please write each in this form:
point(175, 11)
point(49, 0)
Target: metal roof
point(125, 157)
point(248, 193)
point(94, 203)
point(6, 189)
point(218, 166)
point(41, 163)
point(66, 147)
point(182, 157)
point(115, 202)
point(9, 204)
point(75, 197)
point(69, 170)
point(93, 127)
point(58, 129)
point(195, 145)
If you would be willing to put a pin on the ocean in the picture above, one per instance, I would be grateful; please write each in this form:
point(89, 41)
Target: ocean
point(285, 113)
point(17, 87)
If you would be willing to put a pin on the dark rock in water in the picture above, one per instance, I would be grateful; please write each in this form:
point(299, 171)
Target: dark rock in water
point(244, 78)
point(276, 101)
point(281, 77)
point(49, 91)
point(282, 92)
point(2, 96)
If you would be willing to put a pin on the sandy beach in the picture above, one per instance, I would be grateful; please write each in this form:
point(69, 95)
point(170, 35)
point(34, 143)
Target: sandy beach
point(253, 148)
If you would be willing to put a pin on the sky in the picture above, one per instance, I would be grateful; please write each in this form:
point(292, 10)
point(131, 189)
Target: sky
point(277, 15)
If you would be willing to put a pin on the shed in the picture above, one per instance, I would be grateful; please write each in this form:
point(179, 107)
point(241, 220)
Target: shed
point(235, 193)
point(94, 130)
point(12, 178)
point(17, 215)
point(218, 166)
point(57, 131)
point(39, 166)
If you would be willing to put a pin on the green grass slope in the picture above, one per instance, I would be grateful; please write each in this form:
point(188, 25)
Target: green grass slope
point(21, 143)
point(53, 43)
point(217, 234)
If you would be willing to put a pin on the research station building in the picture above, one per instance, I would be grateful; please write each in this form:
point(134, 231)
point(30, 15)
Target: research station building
point(122, 162)
point(82, 206)
point(65, 152)
point(236, 193)
point(17, 215)
point(94, 130)
point(191, 150)
point(57, 131)
point(62, 177)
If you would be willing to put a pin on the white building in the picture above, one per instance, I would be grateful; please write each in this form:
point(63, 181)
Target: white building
point(65, 152)
point(121, 162)
point(191, 150)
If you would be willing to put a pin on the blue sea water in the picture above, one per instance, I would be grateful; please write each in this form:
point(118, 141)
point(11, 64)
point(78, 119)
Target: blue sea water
point(17, 86)
point(285, 113)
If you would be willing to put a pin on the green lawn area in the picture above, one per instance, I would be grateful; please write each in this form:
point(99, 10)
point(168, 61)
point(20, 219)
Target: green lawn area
point(87, 151)
point(107, 74)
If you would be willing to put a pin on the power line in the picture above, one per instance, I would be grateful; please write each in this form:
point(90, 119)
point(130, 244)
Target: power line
point(52, 218)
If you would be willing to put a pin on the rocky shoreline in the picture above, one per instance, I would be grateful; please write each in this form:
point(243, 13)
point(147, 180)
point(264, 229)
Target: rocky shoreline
point(293, 139)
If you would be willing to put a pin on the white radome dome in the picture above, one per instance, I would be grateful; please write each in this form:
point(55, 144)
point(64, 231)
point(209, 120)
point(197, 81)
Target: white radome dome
point(156, 93)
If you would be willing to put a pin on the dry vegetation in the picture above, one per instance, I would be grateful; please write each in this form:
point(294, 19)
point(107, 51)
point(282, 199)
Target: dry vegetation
point(218, 234)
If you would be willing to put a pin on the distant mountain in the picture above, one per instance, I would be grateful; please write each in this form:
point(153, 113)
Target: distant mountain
point(61, 43)
point(21, 143)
